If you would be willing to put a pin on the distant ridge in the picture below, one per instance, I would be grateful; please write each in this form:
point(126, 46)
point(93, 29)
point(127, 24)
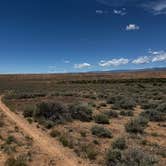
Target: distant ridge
point(131, 70)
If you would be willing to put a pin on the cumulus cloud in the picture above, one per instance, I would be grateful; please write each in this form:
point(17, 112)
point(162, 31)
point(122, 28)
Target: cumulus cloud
point(120, 12)
point(114, 62)
point(132, 27)
point(156, 7)
point(161, 57)
point(82, 65)
point(141, 60)
point(155, 56)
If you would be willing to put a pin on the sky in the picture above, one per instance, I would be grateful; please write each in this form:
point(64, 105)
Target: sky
point(60, 36)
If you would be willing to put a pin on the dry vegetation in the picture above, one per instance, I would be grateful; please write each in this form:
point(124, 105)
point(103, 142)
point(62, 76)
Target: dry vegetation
point(107, 121)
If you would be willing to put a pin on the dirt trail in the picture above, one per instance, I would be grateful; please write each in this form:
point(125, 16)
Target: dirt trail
point(47, 144)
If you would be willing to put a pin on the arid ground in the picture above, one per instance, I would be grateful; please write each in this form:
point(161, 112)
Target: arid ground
point(99, 119)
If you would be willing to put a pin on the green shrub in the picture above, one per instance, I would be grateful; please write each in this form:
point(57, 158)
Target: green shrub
point(90, 151)
point(101, 119)
point(154, 115)
point(135, 156)
point(29, 111)
point(161, 108)
point(119, 143)
point(81, 112)
point(136, 125)
point(10, 139)
point(52, 113)
point(55, 133)
point(114, 157)
point(83, 133)
point(1, 121)
point(64, 141)
point(121, 102)
point(100, 131)
point(19, 161)
point(126, 113)
point(112, 114)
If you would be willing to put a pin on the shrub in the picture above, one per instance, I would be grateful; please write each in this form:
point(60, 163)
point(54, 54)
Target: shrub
point(121, 102)
point(64, 141)
point(101, 119)
point(55, 133)
point(81, 112)
point(29, 111)
point(112, 114)
point(100, 131)
point(136, 125)
point(161, 108)
point(83, 133)
point(103, 104)
point(154, 115)
point(54, 113)
point(10, 139)
point(90, 151)
point(19, 161)
point(1, 121)
point(126, 113)
point(135, 156)
point(119, 143)
point(114, 157)
point(149, 104)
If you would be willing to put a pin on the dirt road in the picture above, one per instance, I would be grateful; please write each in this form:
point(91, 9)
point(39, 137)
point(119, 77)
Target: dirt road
point(48, 145)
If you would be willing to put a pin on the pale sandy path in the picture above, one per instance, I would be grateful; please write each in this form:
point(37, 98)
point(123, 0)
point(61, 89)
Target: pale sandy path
point(47, 144)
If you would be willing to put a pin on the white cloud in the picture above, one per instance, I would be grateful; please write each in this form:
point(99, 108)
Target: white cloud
point(82, 65)
point(159, 57)
point(132, 27)
point(120, 12)
point(156, 7)
point(99, 11)
point(155, 52)
point(114, 62)
point(141, 60)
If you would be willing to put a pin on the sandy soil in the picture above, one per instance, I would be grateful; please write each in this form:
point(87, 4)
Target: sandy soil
point(47, 144)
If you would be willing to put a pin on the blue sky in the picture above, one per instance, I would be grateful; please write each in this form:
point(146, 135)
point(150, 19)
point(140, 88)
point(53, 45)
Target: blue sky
point(39, 36)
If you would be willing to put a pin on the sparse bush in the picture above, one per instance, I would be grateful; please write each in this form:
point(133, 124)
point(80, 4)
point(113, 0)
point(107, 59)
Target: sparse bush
point(19, 161)
point(134, 157)
point(112, 114)
point(29, 111)
point(54, 133)
point(161, 108)
point(153, 115)
point(83, 133)
point(136, 125)
point(100, 131)
point(149, 104)
point(90, 151)
point(30, 120)
point(114, 157)
point(81, 112)
point(10, 139)
point(103, 104)
point(126, 113)
point(1, 121)
point(64, 141)
point(52, 113)
point(119, 143)
point(8, 149)
point(121, 102)
point(101, 119)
